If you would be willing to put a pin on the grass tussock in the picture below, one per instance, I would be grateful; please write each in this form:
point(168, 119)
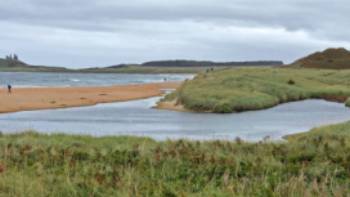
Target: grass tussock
point(60, 165)
point(235, 90)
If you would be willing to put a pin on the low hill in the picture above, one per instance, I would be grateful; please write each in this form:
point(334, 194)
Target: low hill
point(165, 66)
point(332, 58)
point(178, 66)
point(11, 63)
point(19, 66)
point(193, 63)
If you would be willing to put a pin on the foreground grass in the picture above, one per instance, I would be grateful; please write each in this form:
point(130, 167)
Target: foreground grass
point(234, 90)
point(61, 165)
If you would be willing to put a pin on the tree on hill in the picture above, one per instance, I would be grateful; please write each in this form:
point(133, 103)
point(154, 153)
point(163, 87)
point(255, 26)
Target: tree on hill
point(15, 57)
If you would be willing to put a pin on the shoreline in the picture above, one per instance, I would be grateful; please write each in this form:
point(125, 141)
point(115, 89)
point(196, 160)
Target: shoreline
point(174, 106)
point(171, 106)
point(38, 98)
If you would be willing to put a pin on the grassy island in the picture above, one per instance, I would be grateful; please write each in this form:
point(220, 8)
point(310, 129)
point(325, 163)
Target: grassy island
point(235, 90)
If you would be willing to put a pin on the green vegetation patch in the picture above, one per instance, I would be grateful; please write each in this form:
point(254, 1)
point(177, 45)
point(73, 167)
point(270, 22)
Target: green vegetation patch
point(235, 90)
point(58, 165)
point(341, 130)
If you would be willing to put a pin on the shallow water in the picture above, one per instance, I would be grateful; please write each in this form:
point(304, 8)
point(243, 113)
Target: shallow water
point(138, 118)
point(23, 79)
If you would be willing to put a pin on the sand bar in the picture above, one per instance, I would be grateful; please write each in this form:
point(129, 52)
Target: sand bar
point(25, 99)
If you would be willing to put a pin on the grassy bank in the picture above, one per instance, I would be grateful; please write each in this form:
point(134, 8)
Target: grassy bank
point(234, 90)
point(341, 130)
point(61, 165)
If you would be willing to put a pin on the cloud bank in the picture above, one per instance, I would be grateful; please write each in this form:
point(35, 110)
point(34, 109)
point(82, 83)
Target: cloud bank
point(83, 33)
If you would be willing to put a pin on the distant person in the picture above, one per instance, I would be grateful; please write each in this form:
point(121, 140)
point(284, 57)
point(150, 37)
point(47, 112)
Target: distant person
point(9, 88)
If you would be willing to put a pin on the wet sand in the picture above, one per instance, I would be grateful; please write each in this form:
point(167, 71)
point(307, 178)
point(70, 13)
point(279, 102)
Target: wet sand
point(171, 105)
point(25, 99)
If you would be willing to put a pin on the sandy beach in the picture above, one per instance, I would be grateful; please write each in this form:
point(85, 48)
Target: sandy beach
point(25, 99)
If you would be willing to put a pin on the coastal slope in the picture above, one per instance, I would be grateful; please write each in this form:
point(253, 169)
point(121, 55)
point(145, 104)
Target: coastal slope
point(332, 58)
point(11, 65)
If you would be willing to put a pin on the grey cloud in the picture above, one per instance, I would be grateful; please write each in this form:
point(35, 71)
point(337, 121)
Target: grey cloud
point(89, 32)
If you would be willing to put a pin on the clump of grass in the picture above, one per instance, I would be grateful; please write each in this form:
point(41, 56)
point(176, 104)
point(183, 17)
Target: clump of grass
point(59, 165)
point(291, 82)
point(235, 90)
point(347, 102)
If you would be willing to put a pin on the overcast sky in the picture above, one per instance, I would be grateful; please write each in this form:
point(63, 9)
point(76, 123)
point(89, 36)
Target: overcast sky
point(80, 33)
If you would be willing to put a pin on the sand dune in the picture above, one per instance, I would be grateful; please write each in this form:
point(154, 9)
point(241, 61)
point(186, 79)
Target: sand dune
point(23, 99)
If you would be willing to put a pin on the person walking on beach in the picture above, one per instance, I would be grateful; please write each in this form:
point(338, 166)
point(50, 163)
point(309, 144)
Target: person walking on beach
point(9, 88)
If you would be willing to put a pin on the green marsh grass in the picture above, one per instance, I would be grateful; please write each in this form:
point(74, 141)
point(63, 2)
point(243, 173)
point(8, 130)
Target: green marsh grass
point(235, 90)
point(33, 164)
